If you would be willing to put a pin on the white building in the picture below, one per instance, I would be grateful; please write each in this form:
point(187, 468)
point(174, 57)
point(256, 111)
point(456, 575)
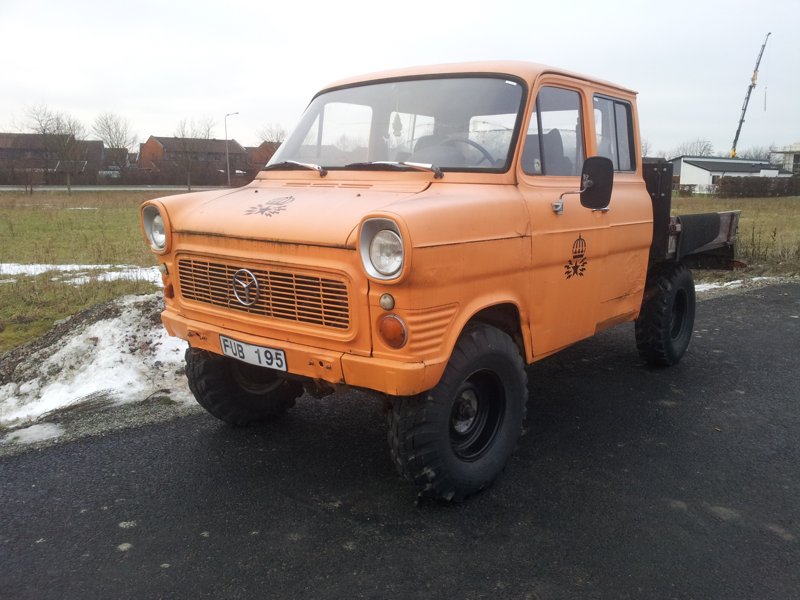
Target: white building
point(791, 157)
point(704, 172)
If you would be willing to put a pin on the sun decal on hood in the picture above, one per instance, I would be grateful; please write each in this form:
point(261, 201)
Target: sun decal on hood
point(270, 208)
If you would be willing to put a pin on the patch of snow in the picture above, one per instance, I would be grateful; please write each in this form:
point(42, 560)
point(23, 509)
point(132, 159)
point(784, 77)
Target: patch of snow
point(38, 269)
point(124, 359)
point(149, 274)
point(82, 208)
point(34, 433)
point(84, 272)
point(704, 287)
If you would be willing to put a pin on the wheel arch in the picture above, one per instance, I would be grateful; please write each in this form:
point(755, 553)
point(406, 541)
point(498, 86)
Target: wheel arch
point(505, 317)
point(504, 314)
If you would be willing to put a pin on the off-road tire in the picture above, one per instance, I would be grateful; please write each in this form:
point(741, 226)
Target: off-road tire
point(236, 392)
point(434, 442)
point(665, 324)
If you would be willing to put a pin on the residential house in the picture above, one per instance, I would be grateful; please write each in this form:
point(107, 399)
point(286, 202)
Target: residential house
point(258, 156)
point(93, 152)
point(34, 157)
point(160, 152)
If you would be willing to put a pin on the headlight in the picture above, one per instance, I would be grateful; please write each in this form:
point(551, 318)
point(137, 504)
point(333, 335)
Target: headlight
point(386, 252)
point(154, 227)
point(382, 251)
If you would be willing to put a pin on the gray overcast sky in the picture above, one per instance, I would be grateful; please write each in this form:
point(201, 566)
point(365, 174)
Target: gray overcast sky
point(157, 62)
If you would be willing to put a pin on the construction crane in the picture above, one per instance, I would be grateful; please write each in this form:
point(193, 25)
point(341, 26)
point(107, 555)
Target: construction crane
point(747, 96)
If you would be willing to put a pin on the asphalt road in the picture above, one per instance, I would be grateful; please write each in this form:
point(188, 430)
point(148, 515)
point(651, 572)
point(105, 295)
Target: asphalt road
point(630, 483)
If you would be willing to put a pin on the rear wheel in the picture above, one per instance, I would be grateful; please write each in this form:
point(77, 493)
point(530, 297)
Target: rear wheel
point(665, 324)
point(454, 440)
point(236, 392)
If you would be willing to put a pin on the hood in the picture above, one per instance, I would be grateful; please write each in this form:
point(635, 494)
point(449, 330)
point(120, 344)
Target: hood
point(315, 214)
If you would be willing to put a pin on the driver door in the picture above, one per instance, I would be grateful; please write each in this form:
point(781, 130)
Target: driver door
point(569, 242)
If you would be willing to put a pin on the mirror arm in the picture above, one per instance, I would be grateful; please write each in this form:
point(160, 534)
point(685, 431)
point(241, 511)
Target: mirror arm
point(561, 197)
point(558, 206)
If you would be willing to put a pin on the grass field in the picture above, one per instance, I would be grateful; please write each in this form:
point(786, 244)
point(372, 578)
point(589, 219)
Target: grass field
point(96, 228)
point(769, 230)
point(82, 228)
point(56, 228)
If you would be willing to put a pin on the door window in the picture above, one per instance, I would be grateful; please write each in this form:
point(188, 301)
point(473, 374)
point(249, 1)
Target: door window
point(554, 141)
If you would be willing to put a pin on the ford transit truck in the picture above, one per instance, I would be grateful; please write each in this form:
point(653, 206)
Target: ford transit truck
point(425, 234)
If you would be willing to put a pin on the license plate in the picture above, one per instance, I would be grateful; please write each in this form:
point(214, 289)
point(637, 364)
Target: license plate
point(271, 358)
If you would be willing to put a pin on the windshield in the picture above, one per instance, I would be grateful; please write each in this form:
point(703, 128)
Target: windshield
point(453, 123)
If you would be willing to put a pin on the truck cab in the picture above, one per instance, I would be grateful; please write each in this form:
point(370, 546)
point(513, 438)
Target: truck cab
point(424, 234)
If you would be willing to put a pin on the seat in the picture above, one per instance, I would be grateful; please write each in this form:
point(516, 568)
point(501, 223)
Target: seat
point(427, 141)
point(555, 163)
point(531, 161)
point(434, 150)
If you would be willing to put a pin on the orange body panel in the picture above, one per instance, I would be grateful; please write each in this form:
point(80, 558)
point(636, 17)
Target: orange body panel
point(475, 243)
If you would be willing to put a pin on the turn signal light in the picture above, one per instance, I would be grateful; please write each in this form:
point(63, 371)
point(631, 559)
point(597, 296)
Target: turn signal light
point(393, 330)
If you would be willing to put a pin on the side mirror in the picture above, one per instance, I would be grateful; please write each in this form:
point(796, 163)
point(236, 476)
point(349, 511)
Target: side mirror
point(597, 179)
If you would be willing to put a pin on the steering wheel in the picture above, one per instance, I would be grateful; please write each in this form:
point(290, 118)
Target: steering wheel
point(486, 156)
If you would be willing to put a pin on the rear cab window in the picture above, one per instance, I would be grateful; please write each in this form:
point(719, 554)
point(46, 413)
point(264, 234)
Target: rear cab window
point(613, 124)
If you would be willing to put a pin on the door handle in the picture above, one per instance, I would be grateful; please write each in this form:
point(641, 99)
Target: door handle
point(558, 207)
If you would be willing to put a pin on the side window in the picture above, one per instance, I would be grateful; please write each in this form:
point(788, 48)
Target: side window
point(554, 141)
point(614, 132)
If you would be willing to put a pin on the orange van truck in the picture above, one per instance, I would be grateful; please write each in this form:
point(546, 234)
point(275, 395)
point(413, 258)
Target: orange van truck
point(424, 234)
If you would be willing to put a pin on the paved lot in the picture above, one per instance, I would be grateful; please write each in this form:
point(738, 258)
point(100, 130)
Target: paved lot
point(630, 483)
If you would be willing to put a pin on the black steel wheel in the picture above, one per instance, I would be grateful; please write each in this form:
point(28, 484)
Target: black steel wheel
point(477, 413)
point(236, 392)
point(666, 321)
point(454, 440)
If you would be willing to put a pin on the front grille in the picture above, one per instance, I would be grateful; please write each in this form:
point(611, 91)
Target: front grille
point(282, 294)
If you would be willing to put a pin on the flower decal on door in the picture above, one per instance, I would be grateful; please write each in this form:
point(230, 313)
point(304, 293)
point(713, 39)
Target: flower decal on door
point(576, 266)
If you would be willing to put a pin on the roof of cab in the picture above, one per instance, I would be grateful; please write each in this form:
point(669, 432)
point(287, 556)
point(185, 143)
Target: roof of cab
point(524, 70)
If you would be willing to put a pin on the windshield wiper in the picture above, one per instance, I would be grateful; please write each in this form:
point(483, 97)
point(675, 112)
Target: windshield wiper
point(400, 166)
point(293, 164)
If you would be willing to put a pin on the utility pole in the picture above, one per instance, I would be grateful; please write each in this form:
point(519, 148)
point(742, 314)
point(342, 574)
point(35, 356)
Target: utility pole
point(227, 158)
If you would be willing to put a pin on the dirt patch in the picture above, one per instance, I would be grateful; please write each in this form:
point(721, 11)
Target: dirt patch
point(104, 369)
point(16, 364)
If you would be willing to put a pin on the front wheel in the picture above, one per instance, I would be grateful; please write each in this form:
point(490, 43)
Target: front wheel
point(454, 440)
point(236, 392)
point(665, 324)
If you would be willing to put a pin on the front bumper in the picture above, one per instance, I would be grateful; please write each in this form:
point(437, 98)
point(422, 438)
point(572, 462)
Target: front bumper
point(339, 368)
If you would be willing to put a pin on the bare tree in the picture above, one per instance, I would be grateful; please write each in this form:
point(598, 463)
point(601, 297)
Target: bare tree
point(645, 147)
point(698, 147)
point(272, 132)
point(191, 135)
point(755, 153)
point(61, 133)
point(119, 138)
